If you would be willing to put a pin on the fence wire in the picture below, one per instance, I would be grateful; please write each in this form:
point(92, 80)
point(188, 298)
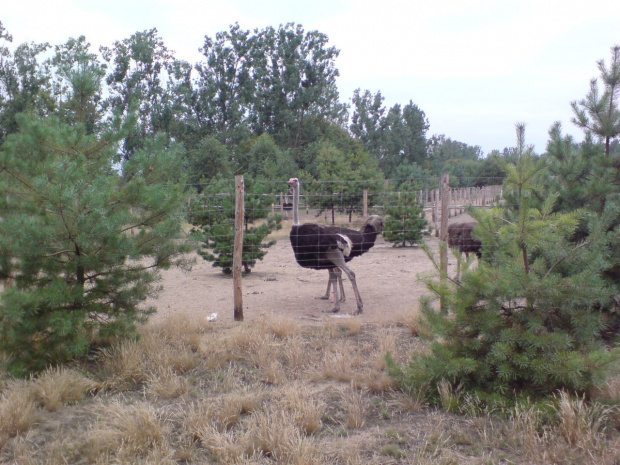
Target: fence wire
point(213, 212)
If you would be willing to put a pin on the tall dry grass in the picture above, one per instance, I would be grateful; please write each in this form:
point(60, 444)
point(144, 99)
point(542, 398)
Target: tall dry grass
point(18, 411)
point(59, 386)
point(127, 430)
point(273, 391)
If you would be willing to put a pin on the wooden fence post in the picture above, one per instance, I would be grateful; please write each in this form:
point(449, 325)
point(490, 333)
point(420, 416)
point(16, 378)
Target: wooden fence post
point(435, 211)
point(238, 248)
point(443, 231)
point(365, 208)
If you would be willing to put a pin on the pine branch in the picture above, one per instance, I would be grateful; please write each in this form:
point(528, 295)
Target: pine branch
point(583, 244)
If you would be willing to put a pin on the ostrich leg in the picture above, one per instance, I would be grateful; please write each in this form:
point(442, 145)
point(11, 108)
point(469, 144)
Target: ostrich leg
point(335, 256)
point(333, 281)
point(338, 272)
point(329, 285)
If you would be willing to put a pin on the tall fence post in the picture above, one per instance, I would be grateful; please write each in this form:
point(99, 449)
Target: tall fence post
point(443, 233)
point(238, 248)
point(365, 208)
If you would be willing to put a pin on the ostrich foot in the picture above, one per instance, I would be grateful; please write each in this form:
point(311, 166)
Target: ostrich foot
point(324, 297)
point(359, 311)
point(333, 310)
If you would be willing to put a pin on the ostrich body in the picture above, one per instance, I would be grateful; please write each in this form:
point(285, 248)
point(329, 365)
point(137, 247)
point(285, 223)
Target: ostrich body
point(329, 248)
point(369, 231)
point(459, 237)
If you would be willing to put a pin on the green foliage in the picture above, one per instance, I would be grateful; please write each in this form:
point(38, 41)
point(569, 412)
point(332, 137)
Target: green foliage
point(213, 219)
point(137, 65)
point(343, 177)
point(25, 83)
point(455, 158)
point(584, 177)
point(78, 83)
point(82, 241)
point(208, 159)
point(533, 328)
point(395, 136)
point(599, 113)
point(413, 177)
point(272, 80)
point(405, 219)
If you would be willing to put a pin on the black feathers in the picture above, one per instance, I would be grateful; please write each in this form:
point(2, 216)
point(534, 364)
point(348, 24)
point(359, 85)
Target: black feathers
point(459, 236)
point(311, 241)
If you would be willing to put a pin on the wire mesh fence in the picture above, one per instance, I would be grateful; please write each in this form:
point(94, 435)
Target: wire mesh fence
point(345, 204)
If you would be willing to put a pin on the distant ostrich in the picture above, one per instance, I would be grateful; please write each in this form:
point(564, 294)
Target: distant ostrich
point(323, 247)
point(459, 237)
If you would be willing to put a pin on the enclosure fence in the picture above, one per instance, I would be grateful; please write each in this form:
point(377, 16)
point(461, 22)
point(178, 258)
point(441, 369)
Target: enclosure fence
point(438, 206)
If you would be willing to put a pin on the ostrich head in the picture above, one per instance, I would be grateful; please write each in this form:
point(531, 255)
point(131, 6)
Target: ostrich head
point(374, 223)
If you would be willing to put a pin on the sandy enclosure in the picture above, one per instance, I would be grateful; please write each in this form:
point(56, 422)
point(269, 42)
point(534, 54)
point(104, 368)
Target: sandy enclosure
point(388, 279)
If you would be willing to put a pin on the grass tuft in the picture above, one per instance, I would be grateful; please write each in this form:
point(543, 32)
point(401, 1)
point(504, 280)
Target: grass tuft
point(57, 386)
point(18, 411)
point(126, 430)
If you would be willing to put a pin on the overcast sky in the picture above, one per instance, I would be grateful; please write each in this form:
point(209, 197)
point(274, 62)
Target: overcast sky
point(475, 67)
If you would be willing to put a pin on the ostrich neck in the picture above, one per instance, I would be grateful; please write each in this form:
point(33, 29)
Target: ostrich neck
point(296, 205)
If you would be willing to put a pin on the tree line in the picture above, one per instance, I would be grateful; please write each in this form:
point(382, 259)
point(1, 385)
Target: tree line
point(263, 103)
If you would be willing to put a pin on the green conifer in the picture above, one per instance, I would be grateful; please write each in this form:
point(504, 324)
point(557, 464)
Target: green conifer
point(526, 320)
point(82, 236)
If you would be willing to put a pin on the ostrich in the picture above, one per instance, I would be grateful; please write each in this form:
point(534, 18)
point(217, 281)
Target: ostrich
point(371, 228)
point(326, 247)
point(459, 236)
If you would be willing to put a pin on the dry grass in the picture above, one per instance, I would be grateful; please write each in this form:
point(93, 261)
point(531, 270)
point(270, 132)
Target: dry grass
point(128, 430)
point(164, 383)
point(411, 320)
point(355, 406)
point(18, 411)
point(59, 386)
point(277, 392)
point(342, 327)
point(305, 408)
point(123, 367)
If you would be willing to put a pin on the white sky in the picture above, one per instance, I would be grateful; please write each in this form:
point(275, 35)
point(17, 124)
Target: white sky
point(475, 67)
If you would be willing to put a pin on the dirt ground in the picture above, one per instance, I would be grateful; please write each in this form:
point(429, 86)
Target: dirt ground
point(388, 279)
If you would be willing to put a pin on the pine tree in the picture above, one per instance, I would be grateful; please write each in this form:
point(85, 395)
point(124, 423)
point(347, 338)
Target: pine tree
point(586, 174)
point(215, 226)
point(535, 326)
point(82, 236)
point(405, 220)
point(599, 112)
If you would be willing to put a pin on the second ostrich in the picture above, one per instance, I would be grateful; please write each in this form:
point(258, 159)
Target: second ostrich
point(323, 247)
point(459, 236)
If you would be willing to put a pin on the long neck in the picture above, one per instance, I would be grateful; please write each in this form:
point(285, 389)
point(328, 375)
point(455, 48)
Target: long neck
point(296, 204)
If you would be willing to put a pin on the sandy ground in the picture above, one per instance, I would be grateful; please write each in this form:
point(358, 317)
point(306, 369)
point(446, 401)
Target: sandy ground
point(388, 279)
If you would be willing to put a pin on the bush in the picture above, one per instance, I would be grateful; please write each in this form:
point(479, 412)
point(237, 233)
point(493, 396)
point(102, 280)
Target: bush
point(405, 220)
point(214, 224)
point(535, 327)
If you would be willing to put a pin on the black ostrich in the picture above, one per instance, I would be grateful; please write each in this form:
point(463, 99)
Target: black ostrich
point(323, 247)
point(460, 237)
point(371, 228)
